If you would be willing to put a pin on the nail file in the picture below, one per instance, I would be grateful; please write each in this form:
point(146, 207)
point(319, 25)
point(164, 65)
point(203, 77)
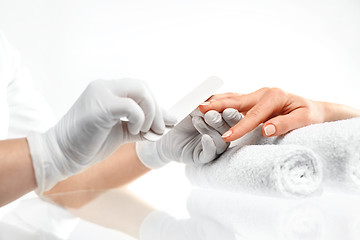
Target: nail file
point(188, 103)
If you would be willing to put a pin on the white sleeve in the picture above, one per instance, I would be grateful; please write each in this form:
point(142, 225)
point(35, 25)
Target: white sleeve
point(27, 108)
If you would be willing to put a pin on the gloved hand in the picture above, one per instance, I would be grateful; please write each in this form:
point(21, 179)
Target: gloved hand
point(91, 130)
point(195, 140)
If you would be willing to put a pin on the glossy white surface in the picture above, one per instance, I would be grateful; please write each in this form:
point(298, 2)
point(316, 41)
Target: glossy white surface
point(119, 214)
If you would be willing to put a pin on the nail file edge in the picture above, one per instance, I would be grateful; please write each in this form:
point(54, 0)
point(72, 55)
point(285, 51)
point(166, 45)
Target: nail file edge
point(188, 103)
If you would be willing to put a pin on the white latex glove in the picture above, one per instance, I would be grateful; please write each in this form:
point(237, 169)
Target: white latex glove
point(195, 140)
point(91, 130)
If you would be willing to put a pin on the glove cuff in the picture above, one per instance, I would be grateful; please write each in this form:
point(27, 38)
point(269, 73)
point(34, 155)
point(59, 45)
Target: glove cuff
point(46, 173)
point(149, 155)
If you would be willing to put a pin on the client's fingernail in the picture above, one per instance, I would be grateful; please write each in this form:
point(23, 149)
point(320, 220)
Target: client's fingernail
point(269, 129)
point(205, 104)
point(227, 134)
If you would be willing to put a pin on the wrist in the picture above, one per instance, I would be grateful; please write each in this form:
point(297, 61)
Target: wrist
point(335, 112)
point(45, 159)
point(149, 155)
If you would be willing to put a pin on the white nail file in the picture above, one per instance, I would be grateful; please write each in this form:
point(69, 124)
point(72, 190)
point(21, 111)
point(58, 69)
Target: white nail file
point(188, 103)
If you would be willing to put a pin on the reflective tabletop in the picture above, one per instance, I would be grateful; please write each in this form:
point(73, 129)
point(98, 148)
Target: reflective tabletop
point(120, 214)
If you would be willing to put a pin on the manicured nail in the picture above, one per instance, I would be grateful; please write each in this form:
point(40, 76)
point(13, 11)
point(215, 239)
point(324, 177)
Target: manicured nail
point(269, 129)
point(205, 104)
point(227, 134)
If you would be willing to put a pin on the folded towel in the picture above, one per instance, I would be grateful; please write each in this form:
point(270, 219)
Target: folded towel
point(276, 170)
point(335, 145)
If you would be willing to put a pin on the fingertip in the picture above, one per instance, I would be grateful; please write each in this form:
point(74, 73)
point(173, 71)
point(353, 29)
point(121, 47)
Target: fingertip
point(269, 130)
point(134, 129)
point(204, 107)
point(169, 119)
point(158, 127)
point(209, 149)
point(231, 112)
point(198, 123)
point(227, 136)
point(212, 116)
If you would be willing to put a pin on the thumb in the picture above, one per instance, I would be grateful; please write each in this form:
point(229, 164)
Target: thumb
point(208, 152)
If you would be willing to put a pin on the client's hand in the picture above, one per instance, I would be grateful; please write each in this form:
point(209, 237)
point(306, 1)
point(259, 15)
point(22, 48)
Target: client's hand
point(196, 139)
point(280, 111)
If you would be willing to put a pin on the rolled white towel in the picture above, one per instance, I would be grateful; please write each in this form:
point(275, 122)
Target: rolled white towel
point(338, 146)
point(275, 170)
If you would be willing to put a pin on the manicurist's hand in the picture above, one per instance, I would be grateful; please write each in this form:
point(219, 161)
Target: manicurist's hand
point(92, 130)
point(279, 111)
point(195, 140)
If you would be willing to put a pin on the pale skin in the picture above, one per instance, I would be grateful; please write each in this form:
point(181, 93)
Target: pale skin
point(17, 174)
point(285, 111)
point(279, 111)
point(118, 209)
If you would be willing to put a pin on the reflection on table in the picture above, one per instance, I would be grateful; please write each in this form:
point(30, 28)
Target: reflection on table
point(119, 214)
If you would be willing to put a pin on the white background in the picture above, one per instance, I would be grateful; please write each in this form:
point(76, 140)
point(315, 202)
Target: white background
point(307, 47)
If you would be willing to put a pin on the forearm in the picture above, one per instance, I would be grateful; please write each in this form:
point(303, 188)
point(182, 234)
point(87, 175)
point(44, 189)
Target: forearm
point(117, 209)
point(122, 167)
point(334, 111)
point(16, 170)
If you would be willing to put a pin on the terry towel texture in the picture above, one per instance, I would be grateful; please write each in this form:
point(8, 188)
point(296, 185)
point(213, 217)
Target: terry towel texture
point(293, 165)
point(288, 170)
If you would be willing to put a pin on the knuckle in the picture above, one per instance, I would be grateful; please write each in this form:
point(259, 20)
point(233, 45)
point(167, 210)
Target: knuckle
point(95, 87)
point(264, 89)
point(253, 113)
point(235, 95)
point(232, 94)
point(309, 117)
point(278, 95)
point(276, 92)
point(95, 84)
point(139, 86)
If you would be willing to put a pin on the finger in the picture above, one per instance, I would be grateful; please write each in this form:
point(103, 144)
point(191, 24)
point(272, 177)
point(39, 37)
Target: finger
point(196, 112)
point(169, 119)
point(208, 152)
point(141, 94)
point(204, 129)
point(215, 120)
point(128, 108)
point(158, 125)
point(232, 116)
point(240, 102)
point(148, 105)
point(261, 112)
point(283, 124)
point(223, 95)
